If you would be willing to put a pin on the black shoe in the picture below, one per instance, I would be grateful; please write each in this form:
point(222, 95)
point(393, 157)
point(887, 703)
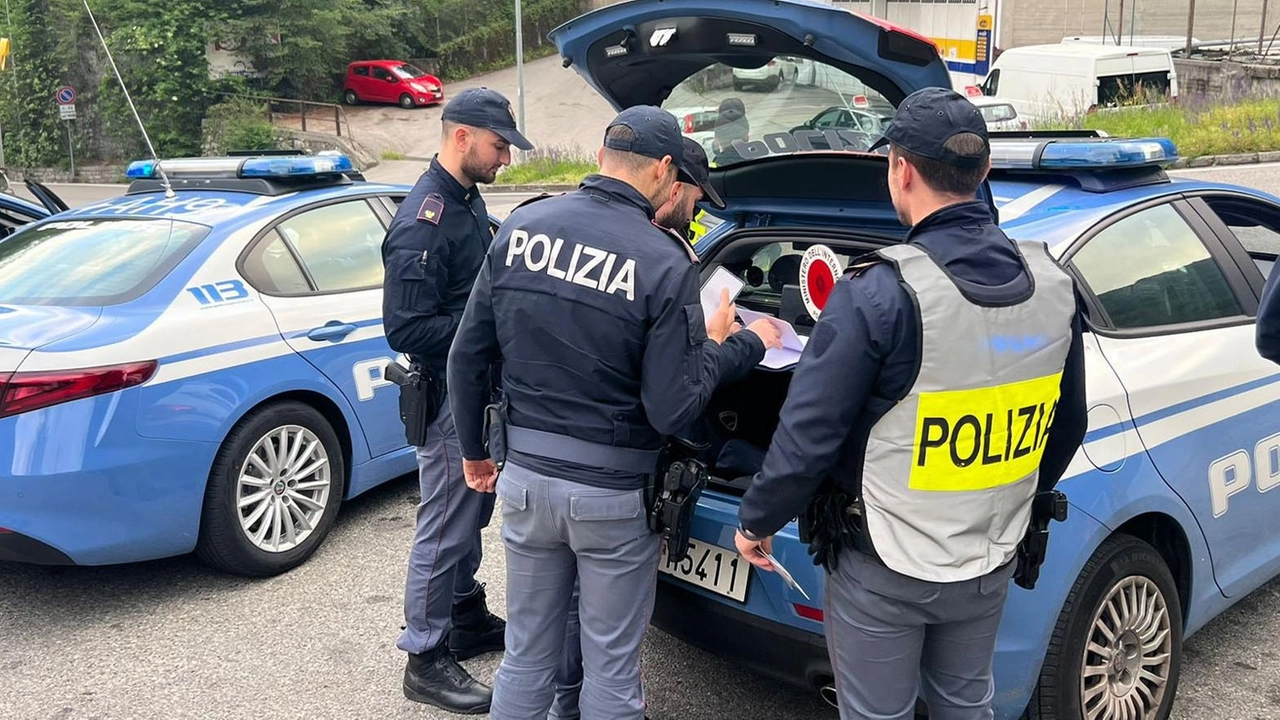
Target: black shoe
point(475, 630)
point(435, 678)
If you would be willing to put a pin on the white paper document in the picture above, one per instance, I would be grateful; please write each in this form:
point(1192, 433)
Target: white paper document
point(792, 343)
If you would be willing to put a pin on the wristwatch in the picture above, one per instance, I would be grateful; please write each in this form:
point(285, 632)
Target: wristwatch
point(750, 535)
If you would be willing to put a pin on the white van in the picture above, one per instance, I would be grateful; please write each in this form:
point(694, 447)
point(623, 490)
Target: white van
point(1046, 82)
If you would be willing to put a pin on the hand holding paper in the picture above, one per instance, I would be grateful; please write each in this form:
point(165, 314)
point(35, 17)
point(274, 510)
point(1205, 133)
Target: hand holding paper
point(788, 354)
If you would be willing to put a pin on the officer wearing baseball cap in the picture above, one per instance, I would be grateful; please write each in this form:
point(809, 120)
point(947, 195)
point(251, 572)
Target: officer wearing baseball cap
point(939, 399)
point(431, 255)
point(593, 311)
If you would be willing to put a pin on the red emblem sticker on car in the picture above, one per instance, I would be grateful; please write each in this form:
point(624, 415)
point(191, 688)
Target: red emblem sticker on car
point(819, 268)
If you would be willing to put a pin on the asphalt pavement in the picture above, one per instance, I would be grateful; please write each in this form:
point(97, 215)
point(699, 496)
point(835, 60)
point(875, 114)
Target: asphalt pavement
point(173, 639)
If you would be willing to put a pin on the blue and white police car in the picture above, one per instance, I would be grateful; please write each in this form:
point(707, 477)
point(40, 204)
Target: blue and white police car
point(1173, 514)
point(199, 368)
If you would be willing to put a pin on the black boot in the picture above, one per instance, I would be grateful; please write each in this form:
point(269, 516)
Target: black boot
point(435, 678)
point(475, 630)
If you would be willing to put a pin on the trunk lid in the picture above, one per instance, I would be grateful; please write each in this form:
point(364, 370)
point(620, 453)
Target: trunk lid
point(682, 57)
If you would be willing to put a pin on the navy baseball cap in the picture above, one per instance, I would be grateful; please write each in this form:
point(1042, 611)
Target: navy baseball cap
point(655, 133)
point(484, 108)
point(928, 118)
point(693, 169)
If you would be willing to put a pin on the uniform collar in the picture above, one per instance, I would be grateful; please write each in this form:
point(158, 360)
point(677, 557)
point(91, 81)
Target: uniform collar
point(974, 212)
point(613, 189)
point(448, 184)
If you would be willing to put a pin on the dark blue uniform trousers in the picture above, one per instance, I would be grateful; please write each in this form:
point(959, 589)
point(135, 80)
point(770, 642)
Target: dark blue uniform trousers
point(893, 637)
point(446, 549)
point(555, 531)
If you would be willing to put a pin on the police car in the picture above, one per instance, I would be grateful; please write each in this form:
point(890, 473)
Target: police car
point(198, 368)
point(16, 213)
point(1172, 514)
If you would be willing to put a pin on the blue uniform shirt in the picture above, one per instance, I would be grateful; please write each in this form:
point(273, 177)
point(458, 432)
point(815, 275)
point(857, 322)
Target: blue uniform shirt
point(593, 311)
point(1268, 332)
point(863, 356)
point(432, 253)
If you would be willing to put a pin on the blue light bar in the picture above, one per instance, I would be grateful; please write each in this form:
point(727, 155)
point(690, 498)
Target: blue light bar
point(268, 167)
point(1081, 154)
point(139, 169)
point(297, 166)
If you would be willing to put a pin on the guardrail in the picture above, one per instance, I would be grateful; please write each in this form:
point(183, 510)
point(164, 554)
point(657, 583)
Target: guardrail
point(325, 116)
point(304, 115)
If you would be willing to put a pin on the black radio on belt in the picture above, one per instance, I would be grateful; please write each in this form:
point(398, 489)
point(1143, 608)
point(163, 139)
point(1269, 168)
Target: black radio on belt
point(420, 400)
point(679, 482)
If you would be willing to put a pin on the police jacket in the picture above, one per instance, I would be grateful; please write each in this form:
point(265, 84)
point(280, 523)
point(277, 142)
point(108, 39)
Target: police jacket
point(431, 255)
point(594, 313)
point(1268, 331)
point(863, 356)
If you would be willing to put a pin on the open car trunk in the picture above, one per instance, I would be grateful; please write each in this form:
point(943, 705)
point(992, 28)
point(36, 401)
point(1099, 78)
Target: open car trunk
point(742, 416)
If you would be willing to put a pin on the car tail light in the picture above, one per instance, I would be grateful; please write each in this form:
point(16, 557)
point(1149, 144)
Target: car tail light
point(5, 531)
point(808, 613)
point(973, 91)
point(26, 391)
point(1024, 124)
point(688, 123)
point(773, 62)
point(860, 101)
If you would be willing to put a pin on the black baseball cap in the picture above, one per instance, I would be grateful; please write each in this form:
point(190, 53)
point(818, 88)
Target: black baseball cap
point(693, 168)
point(484, 108)
point(928, 118)
point(655, 133)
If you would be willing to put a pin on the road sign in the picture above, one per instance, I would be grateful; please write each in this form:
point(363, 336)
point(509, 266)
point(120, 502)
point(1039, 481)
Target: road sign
point(67, 112)
point(66, 95)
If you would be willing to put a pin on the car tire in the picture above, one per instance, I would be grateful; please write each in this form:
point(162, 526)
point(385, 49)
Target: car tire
point(306, 488)
point(350, 97)
point(775, 82)
point(1125, 589)
point(406, 101)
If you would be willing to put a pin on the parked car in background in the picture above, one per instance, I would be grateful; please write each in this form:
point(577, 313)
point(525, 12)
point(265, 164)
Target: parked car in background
point(770, 76)
point(999, 113)
point(390, 81)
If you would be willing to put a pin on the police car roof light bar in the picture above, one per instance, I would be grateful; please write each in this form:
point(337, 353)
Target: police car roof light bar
point(1031, 154)
point(243, 167)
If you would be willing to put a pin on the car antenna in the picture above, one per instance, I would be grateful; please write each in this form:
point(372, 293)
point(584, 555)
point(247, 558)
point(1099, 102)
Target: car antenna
point(164, 178)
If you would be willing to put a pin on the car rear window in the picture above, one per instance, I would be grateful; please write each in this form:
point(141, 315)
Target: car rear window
point(996, 113)
point(740, 114)
point(92, 262)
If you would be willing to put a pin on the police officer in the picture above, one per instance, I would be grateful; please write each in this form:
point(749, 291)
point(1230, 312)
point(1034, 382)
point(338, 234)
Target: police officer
point(594, 312)
point(692, 185)
point(432, 253)
point(1268, 329)
point(942, 387)
point(731, 125)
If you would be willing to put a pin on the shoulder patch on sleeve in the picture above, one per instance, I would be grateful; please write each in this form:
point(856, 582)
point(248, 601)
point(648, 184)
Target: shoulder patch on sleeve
point(431, 210)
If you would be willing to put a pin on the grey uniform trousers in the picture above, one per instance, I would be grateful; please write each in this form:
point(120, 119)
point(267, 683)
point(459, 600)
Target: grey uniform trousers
point(555, 530)
point(446, 548)
point(893, 637)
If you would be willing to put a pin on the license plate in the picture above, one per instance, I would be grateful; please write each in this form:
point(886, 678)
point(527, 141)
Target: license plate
point(721, 571)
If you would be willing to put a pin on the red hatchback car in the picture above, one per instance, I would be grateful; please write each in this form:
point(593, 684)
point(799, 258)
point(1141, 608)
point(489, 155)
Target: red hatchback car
point(390, 81)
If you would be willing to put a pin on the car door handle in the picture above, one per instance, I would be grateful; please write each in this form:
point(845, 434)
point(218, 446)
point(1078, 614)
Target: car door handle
point(333, 331)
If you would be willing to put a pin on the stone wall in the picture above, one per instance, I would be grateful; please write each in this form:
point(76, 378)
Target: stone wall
point(1218, 80)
